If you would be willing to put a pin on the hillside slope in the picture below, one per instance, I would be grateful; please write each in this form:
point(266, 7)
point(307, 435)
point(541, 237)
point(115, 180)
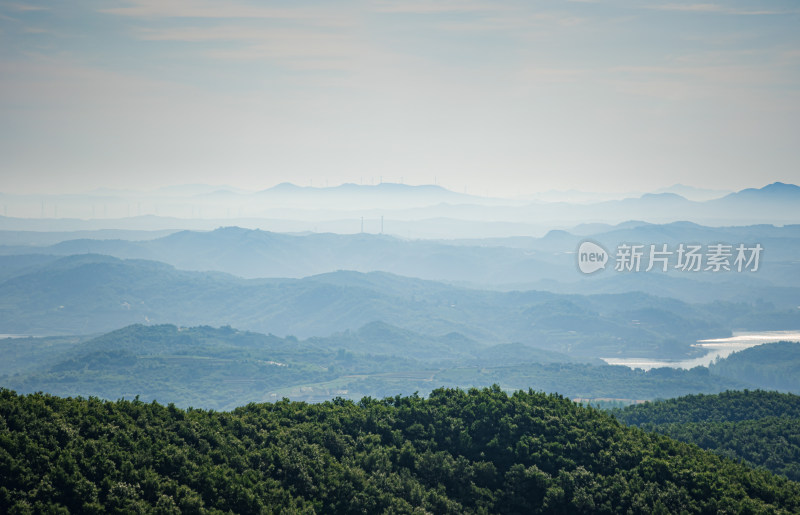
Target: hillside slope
point(86, 294)
point(762, 428)
point(457, 452)
point(221, 368)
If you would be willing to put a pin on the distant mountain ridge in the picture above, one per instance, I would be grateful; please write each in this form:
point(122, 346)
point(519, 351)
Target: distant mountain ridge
point(350, 196)
point(407, 209)
point(692, 193)
point(513, 263)
point(85, 294)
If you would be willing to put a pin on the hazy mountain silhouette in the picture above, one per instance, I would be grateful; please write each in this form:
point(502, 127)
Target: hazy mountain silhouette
point(88, 293)
point(503, 263)
point(426, 211)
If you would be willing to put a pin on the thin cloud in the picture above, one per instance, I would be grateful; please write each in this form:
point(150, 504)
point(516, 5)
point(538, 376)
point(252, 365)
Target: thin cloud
point(714, 8)
point(735, 82)
point(729, 74)
point(551, 75)
point(316, 40)
point(417, 7)
point(519, 22)
point(220, 11)
point(24, 7)
point(191, 9)
point(792, 54)
point(262, 44)
point(203, 34)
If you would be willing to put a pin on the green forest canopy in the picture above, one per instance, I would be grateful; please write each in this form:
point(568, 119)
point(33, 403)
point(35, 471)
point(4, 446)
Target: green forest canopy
point(476, 451)
point(762, 428)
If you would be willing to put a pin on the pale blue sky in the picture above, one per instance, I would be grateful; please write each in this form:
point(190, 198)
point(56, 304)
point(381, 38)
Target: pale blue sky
point(500, 97)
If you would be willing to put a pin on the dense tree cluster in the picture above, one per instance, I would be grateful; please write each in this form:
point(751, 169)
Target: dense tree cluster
point(730, 406)
point(762, 428)
point(476, 451)
point(772, 366)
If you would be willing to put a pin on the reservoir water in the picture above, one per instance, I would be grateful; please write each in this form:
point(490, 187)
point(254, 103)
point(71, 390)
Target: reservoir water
point(716, 348)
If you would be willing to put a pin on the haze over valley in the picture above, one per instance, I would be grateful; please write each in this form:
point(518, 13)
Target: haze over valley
point(434, 305)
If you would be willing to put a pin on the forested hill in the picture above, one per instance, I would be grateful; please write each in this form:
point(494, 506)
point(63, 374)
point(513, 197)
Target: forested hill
point(730, 406)
point(222, 368)
point(761, 428)
point(480, 451)
point(773, 366)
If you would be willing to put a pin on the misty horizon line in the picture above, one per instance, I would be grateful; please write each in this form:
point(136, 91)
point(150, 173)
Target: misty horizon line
point(204, 189)
point(430, 211)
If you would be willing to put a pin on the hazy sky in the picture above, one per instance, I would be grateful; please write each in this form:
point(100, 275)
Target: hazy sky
point(500, 97)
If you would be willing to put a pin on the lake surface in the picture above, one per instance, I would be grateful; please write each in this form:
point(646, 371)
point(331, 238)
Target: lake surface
point(716, 348)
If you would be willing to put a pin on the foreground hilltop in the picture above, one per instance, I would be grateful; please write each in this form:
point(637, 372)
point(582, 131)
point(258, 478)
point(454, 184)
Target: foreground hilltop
point(480, 451)
point(760, 427)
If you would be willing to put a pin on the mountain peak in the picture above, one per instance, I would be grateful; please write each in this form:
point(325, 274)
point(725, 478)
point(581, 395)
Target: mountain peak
point(666, 196)
point(283, 187)
point(780, 187)
point(776, 191)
